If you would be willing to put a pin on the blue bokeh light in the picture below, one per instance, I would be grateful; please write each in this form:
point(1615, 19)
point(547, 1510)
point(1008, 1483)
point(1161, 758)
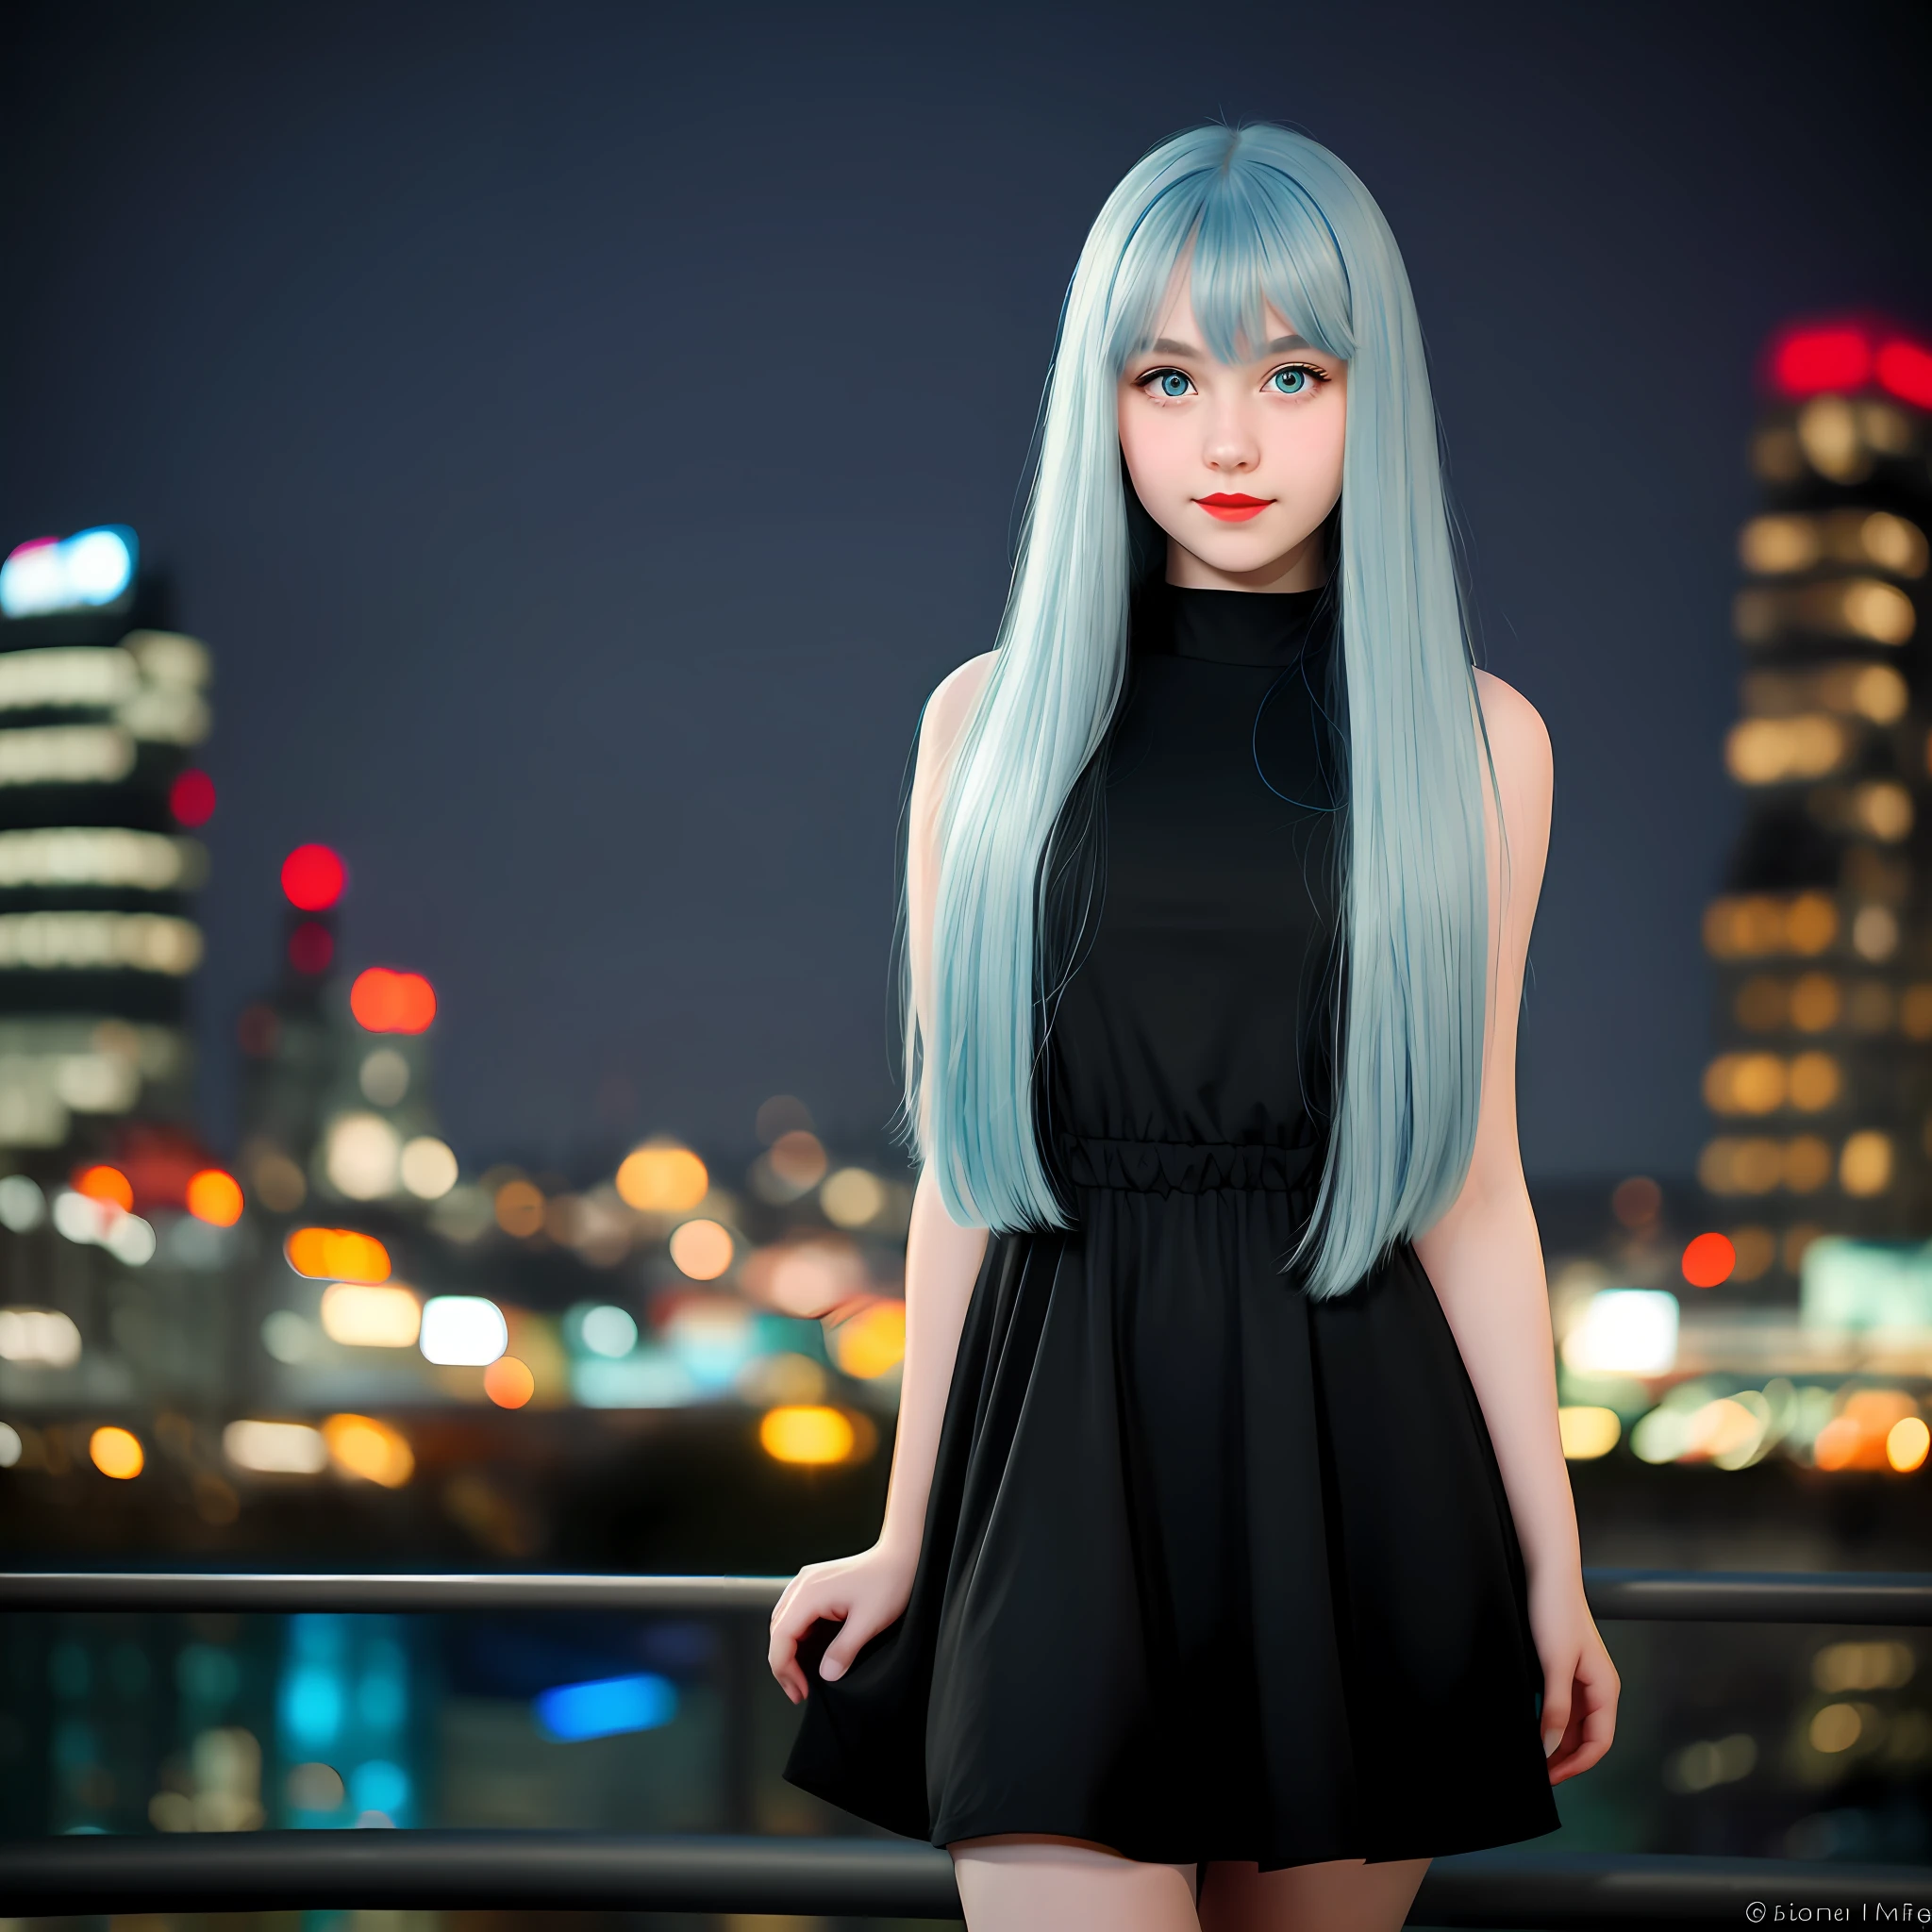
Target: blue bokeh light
point(606, 1707)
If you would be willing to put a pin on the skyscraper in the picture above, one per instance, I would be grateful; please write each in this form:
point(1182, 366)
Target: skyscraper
point(1822, 937)
point(99, 707)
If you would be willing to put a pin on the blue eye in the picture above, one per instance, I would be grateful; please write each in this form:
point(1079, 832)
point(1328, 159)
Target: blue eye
point(1171, 384)
point(1289, 382)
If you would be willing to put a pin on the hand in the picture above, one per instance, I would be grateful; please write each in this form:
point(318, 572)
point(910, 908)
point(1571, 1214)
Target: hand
point(863, 1593)
point(1581, 1683)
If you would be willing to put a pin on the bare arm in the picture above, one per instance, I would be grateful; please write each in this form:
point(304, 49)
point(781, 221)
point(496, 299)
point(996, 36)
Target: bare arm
point(866, 1591)
point(1485, 1258)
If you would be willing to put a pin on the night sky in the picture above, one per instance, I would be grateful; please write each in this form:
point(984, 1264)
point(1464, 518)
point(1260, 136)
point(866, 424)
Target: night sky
point(585, 433)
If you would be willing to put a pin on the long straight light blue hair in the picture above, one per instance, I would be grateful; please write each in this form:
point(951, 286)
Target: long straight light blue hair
point(1256, 215)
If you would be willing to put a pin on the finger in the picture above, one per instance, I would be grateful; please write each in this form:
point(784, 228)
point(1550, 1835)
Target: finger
point(797, 1620)
point(787, 1596)
point(850, 1641)
point(1592, 1733)
point(1556, 1711)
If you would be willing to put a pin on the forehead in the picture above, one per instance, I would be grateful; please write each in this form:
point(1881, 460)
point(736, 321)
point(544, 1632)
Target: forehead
point(1176, 327)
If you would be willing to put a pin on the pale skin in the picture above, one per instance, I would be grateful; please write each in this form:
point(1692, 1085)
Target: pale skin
point(1270, 430)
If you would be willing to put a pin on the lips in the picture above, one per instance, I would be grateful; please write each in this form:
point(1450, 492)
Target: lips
point(1233, 508)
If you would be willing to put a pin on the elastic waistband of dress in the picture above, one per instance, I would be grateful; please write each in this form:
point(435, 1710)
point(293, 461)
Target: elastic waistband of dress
point(1187, 1167)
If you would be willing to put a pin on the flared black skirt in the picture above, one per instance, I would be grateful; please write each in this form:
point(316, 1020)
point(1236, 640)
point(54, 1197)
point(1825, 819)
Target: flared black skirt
point(1210, 1570)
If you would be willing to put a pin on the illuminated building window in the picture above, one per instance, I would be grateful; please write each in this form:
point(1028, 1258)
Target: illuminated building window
point(1875, 933)
point(99, 856)
point(1772, 751)
point(1816, 1002)
point(66, 755)
point(1864, 608)
point(72, 675)
point(1807, 1164)
point(1915, 1011)
point(1865, 1163)
point(1783, 545)
point(1761, 925)
point(1815, 1082)
point(1748, 1083)
point(1884, 809)
point(99, 942)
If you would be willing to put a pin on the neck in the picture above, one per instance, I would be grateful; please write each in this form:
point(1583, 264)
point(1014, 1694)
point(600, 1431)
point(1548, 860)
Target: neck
point(1303, 568)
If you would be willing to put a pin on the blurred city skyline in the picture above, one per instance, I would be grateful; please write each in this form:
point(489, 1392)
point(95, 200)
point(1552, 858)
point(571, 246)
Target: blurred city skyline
point(582, 442)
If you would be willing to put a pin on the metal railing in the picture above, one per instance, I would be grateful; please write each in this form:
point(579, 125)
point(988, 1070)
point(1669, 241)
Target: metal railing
point(858, 1876)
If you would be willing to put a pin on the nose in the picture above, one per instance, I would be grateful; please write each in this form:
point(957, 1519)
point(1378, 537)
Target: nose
point(1231, 447)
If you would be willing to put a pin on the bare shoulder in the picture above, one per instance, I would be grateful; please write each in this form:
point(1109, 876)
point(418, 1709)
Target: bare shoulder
point(951, 704)
point(1519, 742)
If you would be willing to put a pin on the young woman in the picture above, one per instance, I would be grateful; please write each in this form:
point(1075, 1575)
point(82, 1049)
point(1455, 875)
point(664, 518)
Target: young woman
point(1229, 1569)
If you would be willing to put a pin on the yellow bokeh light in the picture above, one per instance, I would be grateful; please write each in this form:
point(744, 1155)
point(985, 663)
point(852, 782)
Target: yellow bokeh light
point(1770, 546)
point(852, 1197)
point(1884, 809)
point(364, 1317)
point(1771, 751)
point(359, 1445)
point(872, 1342)
point(1836, 1728)
point(806, 1433)
point(116, 1453)
point(1744, 1083)
point(1815, 1082)
point(1882, 612)
point(1883, 1664)
point(701, 1249)
point(1906, 1443)
point(1865, 1163)
point(1588, 1431)
point(662, 1178)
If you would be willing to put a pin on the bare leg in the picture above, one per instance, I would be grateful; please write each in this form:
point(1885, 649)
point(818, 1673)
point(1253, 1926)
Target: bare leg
point(1343, 1896)
point(1034, 1884)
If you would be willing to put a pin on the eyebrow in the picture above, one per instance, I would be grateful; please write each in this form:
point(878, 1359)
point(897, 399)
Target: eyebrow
point(1281, 345)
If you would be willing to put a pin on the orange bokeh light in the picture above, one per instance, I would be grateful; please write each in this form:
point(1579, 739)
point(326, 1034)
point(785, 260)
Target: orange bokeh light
point(386, 1002)
point(215, 1197)
point(509, 1383)
point(116, 1453)
point(1708, 1260)
point(359, 1445)
point(336, 1254)
point(106, 1184)
point(663, 1179)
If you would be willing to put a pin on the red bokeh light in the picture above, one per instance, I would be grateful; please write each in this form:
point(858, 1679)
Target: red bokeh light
point(386, 1001)
point(1906, 370)
point(106, 1184)
point(313, 878)
point(1808, 360)
point(1708, 1260)
point(312, 946)
point(191, 797)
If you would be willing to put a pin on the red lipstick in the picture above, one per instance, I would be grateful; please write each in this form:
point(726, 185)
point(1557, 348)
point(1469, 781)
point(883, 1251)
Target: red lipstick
point(1233, 508)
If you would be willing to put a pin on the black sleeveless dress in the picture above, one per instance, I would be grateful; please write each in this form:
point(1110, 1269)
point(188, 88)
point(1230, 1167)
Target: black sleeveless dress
point(1210, 1570)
